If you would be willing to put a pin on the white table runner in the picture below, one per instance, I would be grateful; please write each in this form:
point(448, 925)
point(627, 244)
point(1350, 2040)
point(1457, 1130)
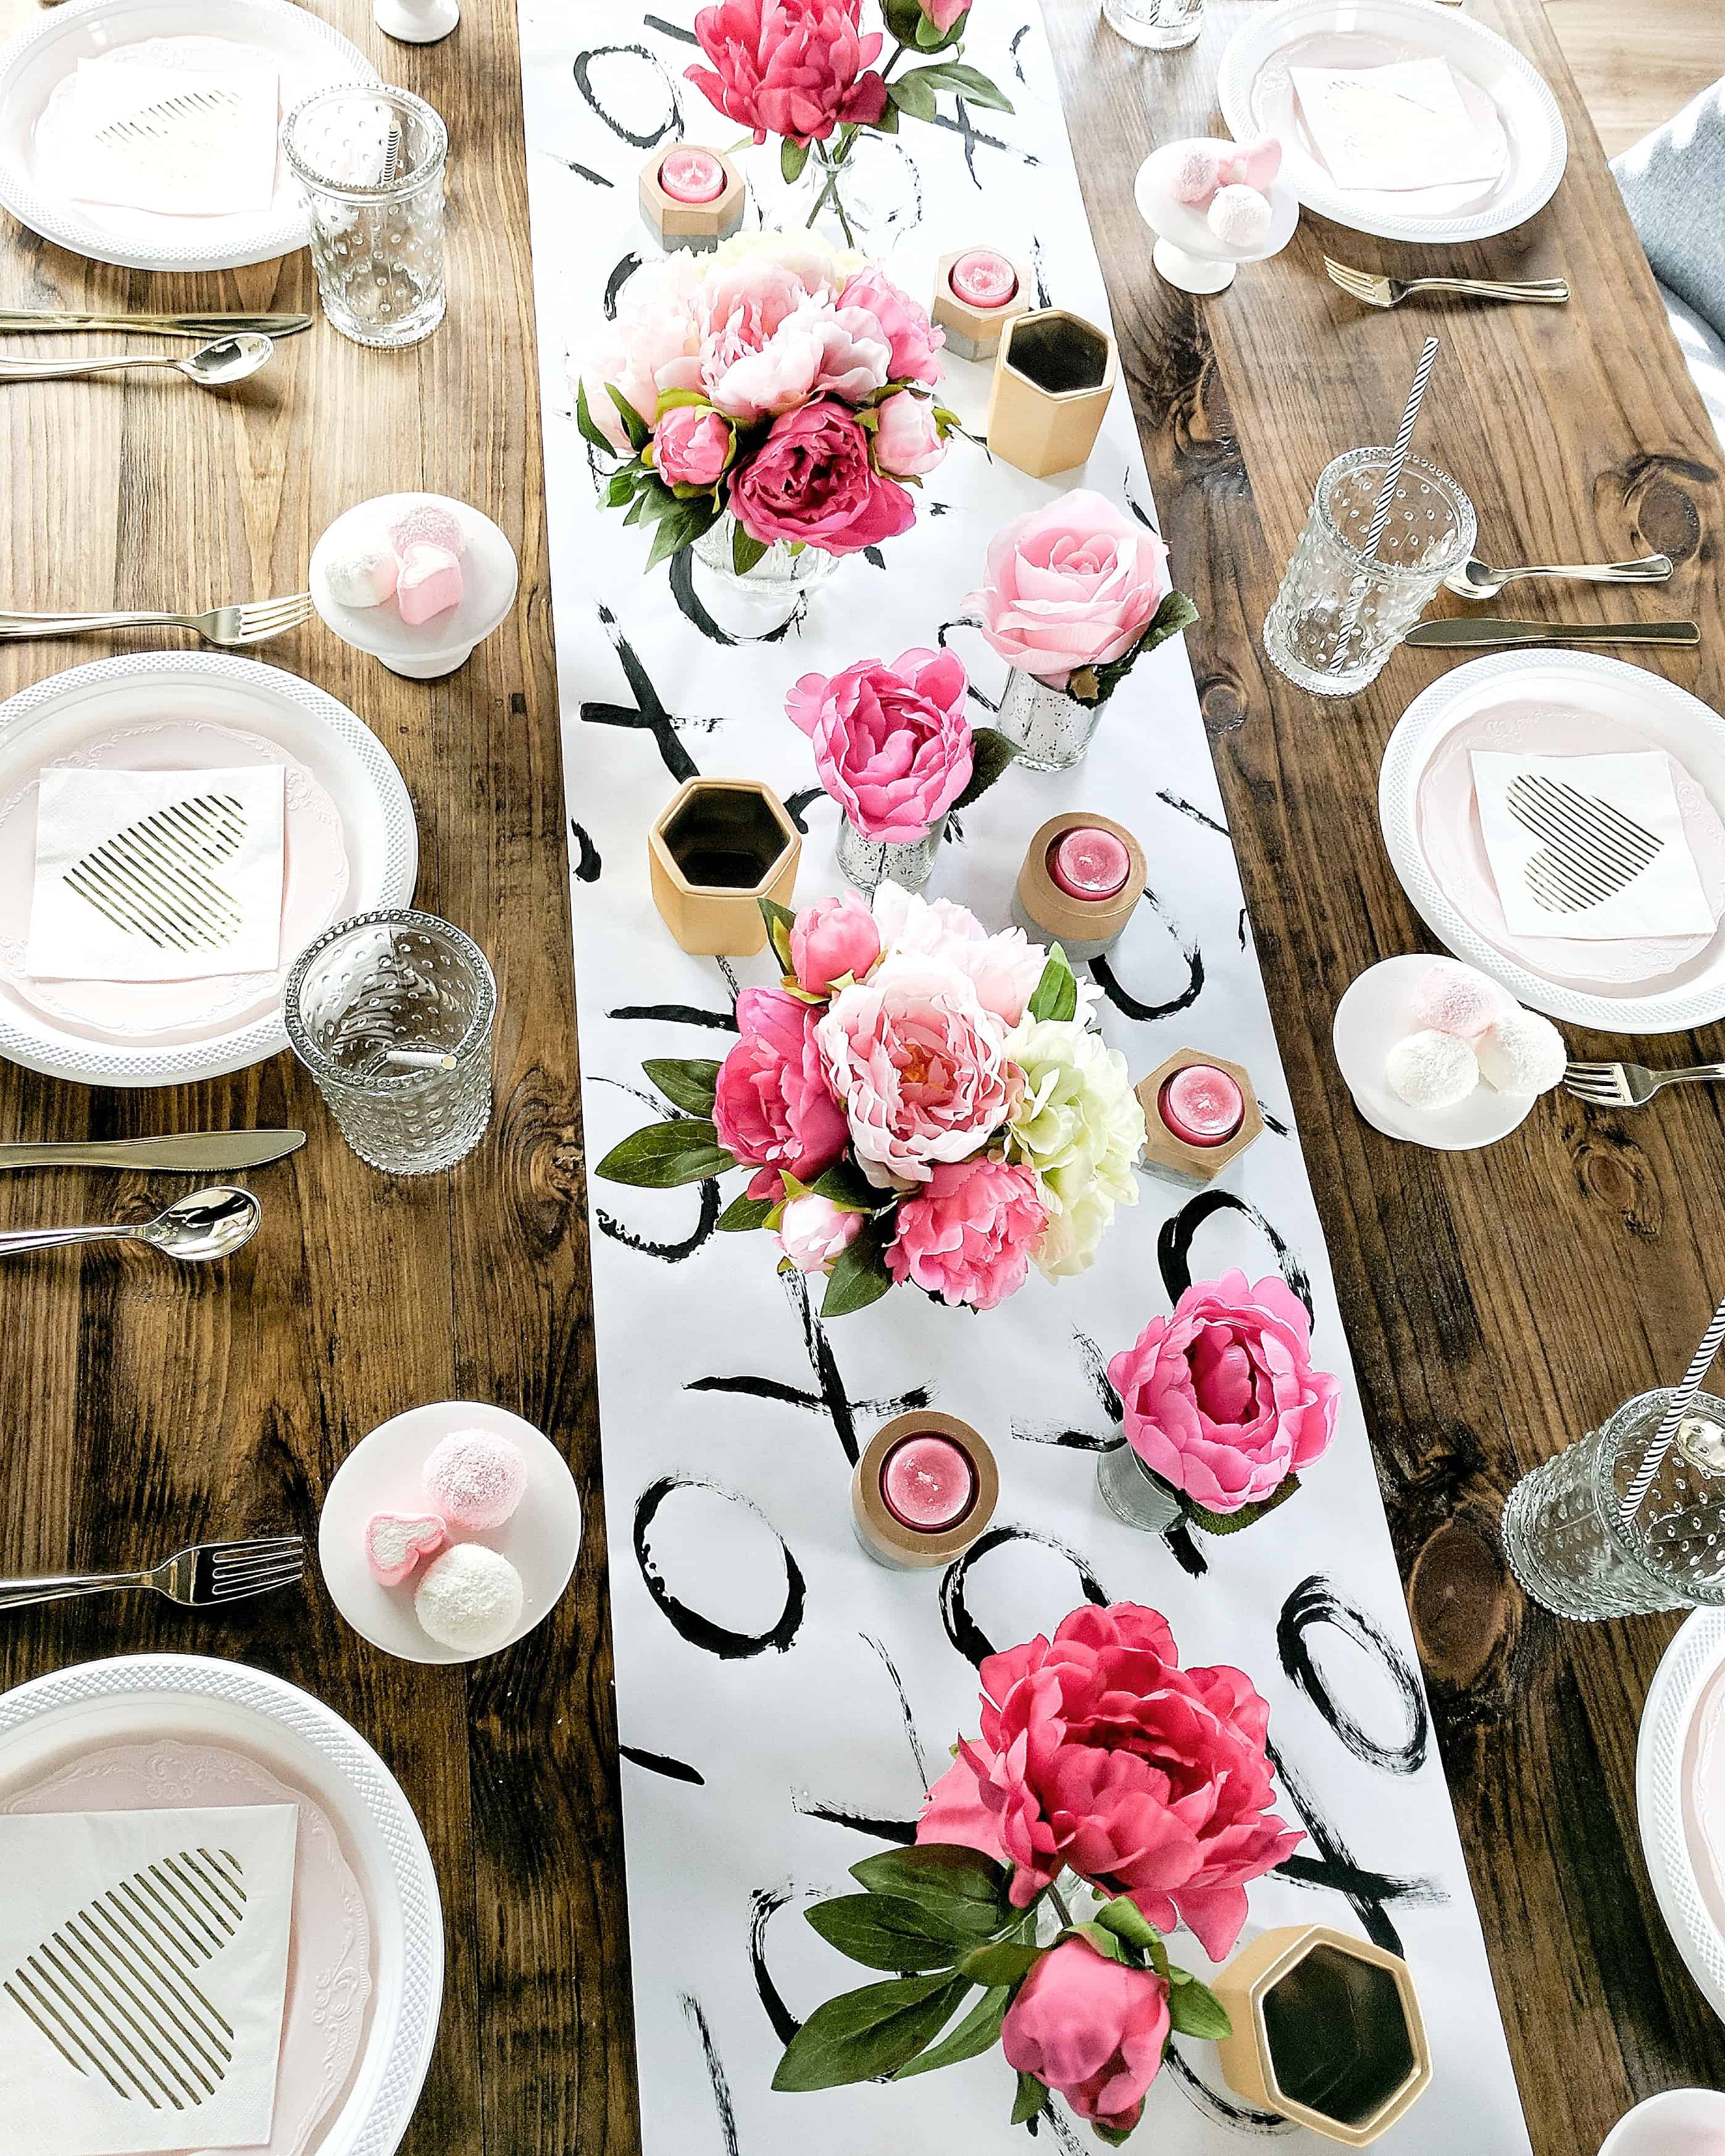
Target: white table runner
point(782, 1700)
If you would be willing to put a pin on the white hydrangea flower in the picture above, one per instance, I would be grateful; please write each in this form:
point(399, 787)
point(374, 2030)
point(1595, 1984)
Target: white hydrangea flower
point(1080, 1125)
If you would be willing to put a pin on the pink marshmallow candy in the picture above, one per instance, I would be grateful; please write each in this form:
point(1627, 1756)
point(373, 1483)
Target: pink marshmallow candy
point(1252, 164)
point(395, 1543)
point(429, 583)
point(1197, 175)
point(426, 525)
point(475, 1480)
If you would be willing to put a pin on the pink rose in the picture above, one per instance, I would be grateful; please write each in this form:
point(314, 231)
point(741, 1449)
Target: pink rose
point(966, 1235)
point(907, 441)
point(912, 336)
point(692, 446)
point(831, 939)
point(1099, 1751)
point(812, 480)
point(891, 743)
point(1221, 1399)
point(943, 13)
point(1093, 2031)
point(919, 1065)
point(772, 1108)
point(795, 68)
point(1004, 969)
point(1074, 584)
point(814, 1234)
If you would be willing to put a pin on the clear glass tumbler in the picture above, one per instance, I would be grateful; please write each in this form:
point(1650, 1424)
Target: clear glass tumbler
point(1339, 614)
point(370, 165)
point(391, 1013)
point(1166, 25)
point(1569, 1548)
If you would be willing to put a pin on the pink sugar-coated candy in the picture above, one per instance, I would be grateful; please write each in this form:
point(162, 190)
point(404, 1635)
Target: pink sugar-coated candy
point(426, 525)
point(475, 1480)
point(430, 583)
point(1451, 997)
point(1198, 174)
point(395, 1543)
point(1251, 164)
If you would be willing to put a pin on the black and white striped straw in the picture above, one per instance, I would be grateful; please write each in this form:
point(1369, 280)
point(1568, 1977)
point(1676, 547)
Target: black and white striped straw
point(1654, 1458)
point(1386, 497)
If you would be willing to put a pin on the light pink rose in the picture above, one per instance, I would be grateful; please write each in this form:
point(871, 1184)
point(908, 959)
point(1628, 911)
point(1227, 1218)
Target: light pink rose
point(912, 336)
point(831, 939)
point(907, 441)
point(648, 348)
point(919, 1065)
point(795, 68)
point(1091, 2030)
point(891, 743)
point(1074, 584)
point(812, 480)
point(1004, 969)
point(943, 13)
point(692, 446)
point(966, 1235)
point(772, 1108)
point(1221, 1399)
point(1100, 1752)
point(814, 1234)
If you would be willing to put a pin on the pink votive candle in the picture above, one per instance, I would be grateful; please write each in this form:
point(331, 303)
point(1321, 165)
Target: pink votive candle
point(928, 1482)
point(1202, 1105)
point(1089, 862)
point(693, 175)
point(983, 279)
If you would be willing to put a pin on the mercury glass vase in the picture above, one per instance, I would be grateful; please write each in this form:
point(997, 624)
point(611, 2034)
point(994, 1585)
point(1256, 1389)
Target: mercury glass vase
point(781, 574)
point(1133, 1494)
point(870, 862)
point(1050, 730)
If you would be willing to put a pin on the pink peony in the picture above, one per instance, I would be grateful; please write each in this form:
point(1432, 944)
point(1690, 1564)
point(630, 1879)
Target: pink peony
point(692, 446)
point(919, 1065)
point(966, 1236)
point(1099, 1751)
point(795, 68)
point(817, 349)
point(811, 481)
point(773, 1109)
point(943, 13)
point(1093, 2031)
point(814, 1234)
point(651, 346)
point(907, 441)
point(1004, 969)
point(912, 337)
point(831, 939)
point(891, 743)
point(1074, 584)
point(1221, 1399)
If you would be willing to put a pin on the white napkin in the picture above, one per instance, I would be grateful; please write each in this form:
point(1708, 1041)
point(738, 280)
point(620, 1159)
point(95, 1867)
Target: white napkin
point(1591, 847)
point(189, 884)
point(1393, 128)
point(212, 157)
point(134, 1948)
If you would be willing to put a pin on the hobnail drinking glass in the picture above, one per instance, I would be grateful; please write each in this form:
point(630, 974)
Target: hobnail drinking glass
point(1165, 25)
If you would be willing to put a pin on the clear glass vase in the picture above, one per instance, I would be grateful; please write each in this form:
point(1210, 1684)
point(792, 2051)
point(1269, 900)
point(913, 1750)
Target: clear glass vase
point(1050, 730)
point(858, 191)
point(870, 862)
point(1133, 1494)
point(782, 573)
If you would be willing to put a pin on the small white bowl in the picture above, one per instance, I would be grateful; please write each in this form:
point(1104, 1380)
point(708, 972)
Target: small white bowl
point(1685, 2122)
point(1187, 253)
point(1377, 1011)
point(489, 578)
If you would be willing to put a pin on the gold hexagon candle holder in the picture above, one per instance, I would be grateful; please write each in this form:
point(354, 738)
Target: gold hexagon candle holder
point(699, 226)
point(974, 332)
point(1053, 374)
point(1084, 928)
point(722, 845)
point(1170, 1154)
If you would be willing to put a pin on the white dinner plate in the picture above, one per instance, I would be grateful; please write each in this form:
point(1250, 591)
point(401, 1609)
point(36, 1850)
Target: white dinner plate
point(1505, 96)
point(84, 710)
point(1661, 715)
point(1681, 1749)
point(136, 1699)
point(307, 54)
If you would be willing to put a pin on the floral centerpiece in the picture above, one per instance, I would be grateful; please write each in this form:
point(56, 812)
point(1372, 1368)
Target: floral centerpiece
point(1111, 1796)
point(920, 1101)
point(774, 383)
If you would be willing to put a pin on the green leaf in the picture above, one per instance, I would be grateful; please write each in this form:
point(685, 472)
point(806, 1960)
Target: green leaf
point(620, 487)
point(1032, 2100)
point(914, 94)
point(887, 124)
point(1196, 2011)
point(634, 425)
point(863, 2033)
point(588, 425)
point(680, 526)
point(793, 156)
point(851, 1190)
point(858, 1278)
point(668, 400)
point(746, 1212)
point(1230, 1523)
point(990, 753)
point(746, 551)
point(979, 2030)
point(780, 920)
point(689, 1084)
point(902, 18)
point(1002, 1961)
point(1057, 995)
point(1104, 1943)
point(1176, 613)
point(684, 1150)
point(1128, 1920)
point(1115, 2137)
point(968, 82)
point(969, 1889)
point(883, 1931)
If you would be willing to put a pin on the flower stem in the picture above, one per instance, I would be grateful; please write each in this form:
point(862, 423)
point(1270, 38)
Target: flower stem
point(1058, 1901)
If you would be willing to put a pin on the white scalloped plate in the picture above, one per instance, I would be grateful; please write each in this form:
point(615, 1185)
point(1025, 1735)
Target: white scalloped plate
point(308, 53)
point(50, 722)
point(1505, 94)
point(139, 1698)
point(1685, 1716)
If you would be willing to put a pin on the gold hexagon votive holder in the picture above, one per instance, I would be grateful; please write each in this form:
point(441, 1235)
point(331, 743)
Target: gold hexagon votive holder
point(699, 226)
point(974, 331)
point(1327, 2031)
point(1053, 374)
point(1168, 1153)
point(720, 846)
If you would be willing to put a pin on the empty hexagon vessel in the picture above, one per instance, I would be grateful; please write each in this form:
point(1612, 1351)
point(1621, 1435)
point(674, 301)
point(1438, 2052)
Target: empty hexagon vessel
point(720, 846)
point(1053, 374)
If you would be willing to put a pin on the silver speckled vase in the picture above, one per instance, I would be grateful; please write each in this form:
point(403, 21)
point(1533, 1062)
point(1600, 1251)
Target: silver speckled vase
point(870, 862)
point(1050, 730)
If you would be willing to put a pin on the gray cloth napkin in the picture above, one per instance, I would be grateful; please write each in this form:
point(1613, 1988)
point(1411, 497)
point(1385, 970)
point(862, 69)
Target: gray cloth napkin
point(1673, 182)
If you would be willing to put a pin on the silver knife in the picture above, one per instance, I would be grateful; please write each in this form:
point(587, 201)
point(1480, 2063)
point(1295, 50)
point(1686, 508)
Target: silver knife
point(1472, 634)
point(194, 1153)
point(194, 326)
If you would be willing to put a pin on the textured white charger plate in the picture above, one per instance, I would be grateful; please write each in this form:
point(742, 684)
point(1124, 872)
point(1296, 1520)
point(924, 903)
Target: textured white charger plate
point(136, 1698)
point(1683, 1701)
point(1678, 722)
point(46, 722)
point(308, 53)
point(1504, 91)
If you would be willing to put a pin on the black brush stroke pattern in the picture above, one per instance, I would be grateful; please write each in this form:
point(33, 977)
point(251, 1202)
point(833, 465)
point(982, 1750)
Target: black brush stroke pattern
point(966, 1634)
point(1367, 1892)
point(1314, 1601)
point(1102, 973)
point(670, 29)
point(1174, 1240)
point(660, 1762)
point(587, 864)
point(901, 1831)
point(620, 276)
point(1230, 2111)
point(672, 125)
point(648, 712)
point(905, 1715)
point(764, 1905)
point(693, 2010)
point(690, 1624)
point(1197, 815)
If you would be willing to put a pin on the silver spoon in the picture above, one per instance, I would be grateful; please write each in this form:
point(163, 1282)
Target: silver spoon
point(1478, 580)
point(204, 1224)
point(214, 365)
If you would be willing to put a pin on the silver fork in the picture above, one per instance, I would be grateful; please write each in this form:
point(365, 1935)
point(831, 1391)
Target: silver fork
point(200, 1578)
point(1630, 1084)
point(1373, 290)
point(254, 622)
